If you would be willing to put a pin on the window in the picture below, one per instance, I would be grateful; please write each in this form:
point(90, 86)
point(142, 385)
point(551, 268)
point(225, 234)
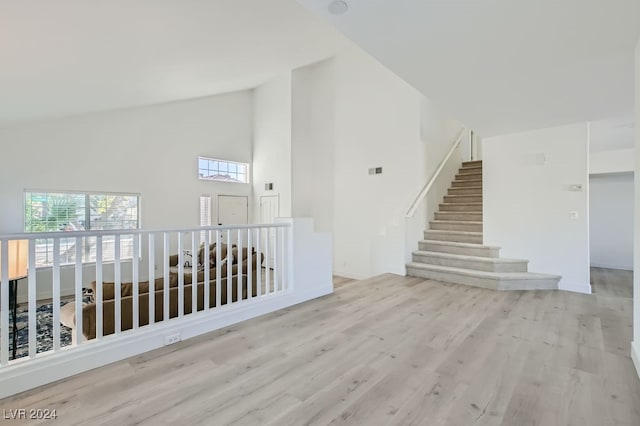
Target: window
point(221, 170)
point(76, 211)
point(205, 213)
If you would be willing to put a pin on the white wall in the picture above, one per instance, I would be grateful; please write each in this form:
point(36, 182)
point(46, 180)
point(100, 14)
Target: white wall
point(312, 144)
point(611, 220)
point(272, 143)
point(350, 114)
point(438, 132)
point(635, 349)
point(152, 151)
point(527, 205)
point(612, 161)
point(377, 124)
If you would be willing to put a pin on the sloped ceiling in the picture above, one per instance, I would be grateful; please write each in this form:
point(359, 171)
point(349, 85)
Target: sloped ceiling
point(67, 57)
point(504, 65)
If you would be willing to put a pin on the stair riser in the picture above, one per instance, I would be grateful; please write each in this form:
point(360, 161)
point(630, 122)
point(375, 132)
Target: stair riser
point(472, 167)
point(475, 171)
point(471, 163)
point(495, 284)
point(465, 191)
point(463, 199)
point(470, 176)
point(465, 183)
point(460, 208)
point(473, 217)
point(470, 227)
point(452, 278)
point(476, 251)
point(438, 236)
point(469, 264)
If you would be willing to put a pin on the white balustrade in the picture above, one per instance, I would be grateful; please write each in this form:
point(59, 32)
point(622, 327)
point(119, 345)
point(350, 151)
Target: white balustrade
point(143, 297)
point(122, 267)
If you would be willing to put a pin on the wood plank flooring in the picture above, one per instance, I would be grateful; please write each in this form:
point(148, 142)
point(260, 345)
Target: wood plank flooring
point(385, 351)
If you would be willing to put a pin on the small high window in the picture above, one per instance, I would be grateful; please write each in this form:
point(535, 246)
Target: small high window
point(222, 170)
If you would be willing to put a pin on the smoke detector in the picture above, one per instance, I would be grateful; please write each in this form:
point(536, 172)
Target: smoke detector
point(338, 7)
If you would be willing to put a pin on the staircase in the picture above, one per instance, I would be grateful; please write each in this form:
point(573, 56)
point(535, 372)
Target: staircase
point(452, 249)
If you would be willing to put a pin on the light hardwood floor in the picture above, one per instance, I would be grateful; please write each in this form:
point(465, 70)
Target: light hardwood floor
point(385, 351)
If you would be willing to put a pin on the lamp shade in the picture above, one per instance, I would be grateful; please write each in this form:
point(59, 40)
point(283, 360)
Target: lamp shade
point(18, 259)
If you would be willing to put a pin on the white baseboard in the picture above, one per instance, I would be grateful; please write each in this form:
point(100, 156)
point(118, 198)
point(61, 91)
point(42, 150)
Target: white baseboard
point(350, 275)
point(635, 356)
point(574, 287)
point(50, 367)
point(610, 266)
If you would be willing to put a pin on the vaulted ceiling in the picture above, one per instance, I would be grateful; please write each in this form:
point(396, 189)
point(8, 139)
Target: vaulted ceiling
point(67, 57)
point(498, 65)
point(504, 65)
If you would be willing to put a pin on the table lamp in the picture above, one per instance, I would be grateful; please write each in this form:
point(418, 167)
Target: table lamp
point(18, 256)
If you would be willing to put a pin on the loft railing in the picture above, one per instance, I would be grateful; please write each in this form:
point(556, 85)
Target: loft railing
point(425, 189)
point(145, 289)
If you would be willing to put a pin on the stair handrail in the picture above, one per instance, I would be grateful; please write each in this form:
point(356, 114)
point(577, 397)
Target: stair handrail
point(425, 189)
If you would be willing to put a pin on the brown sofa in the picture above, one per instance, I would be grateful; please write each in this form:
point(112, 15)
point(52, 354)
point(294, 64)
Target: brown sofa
point(126, 310)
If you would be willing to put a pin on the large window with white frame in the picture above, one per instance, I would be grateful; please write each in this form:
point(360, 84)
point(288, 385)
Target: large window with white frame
point(222, 170)
point(58, 211)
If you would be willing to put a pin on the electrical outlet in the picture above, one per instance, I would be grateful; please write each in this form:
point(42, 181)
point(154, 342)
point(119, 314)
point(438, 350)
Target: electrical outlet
point(172, 338)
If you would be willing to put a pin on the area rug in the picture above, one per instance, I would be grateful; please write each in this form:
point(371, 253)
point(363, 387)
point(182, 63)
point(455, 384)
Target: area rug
point(44, 326)
point(44, 335)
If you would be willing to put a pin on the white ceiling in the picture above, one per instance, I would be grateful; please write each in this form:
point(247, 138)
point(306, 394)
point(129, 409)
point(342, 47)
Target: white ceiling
point(68, 57)
point(504, 65)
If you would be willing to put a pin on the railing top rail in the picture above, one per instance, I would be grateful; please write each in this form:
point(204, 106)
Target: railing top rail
point(425, 189)
point(76, 234)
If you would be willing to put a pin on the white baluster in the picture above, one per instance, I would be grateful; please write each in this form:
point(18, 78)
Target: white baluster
point(165, 303)
point(56, 294)
point(194, 273)
point(117, 285)
point(206, 261)
point(276, 260)
point(180, 276)
point(152, 278)
point(136, 281)
point(229, 269)
point(33, 331)
point(239, 263)
point(99, 282)
point(249, 265)
point(259, 261)
point(4, 303)
point(218, 268)
point(267, 255)
point(78, 292)
point(285, 258)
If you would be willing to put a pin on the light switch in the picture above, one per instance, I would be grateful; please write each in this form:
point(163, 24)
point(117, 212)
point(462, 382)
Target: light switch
point(573, 215)
point(575, 187)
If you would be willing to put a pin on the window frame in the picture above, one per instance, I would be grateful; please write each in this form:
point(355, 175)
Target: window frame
point(86, 260)
point(226, 163)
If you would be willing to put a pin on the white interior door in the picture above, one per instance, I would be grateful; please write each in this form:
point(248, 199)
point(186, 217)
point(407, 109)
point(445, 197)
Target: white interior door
point(233, 210)
point(269, 211)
